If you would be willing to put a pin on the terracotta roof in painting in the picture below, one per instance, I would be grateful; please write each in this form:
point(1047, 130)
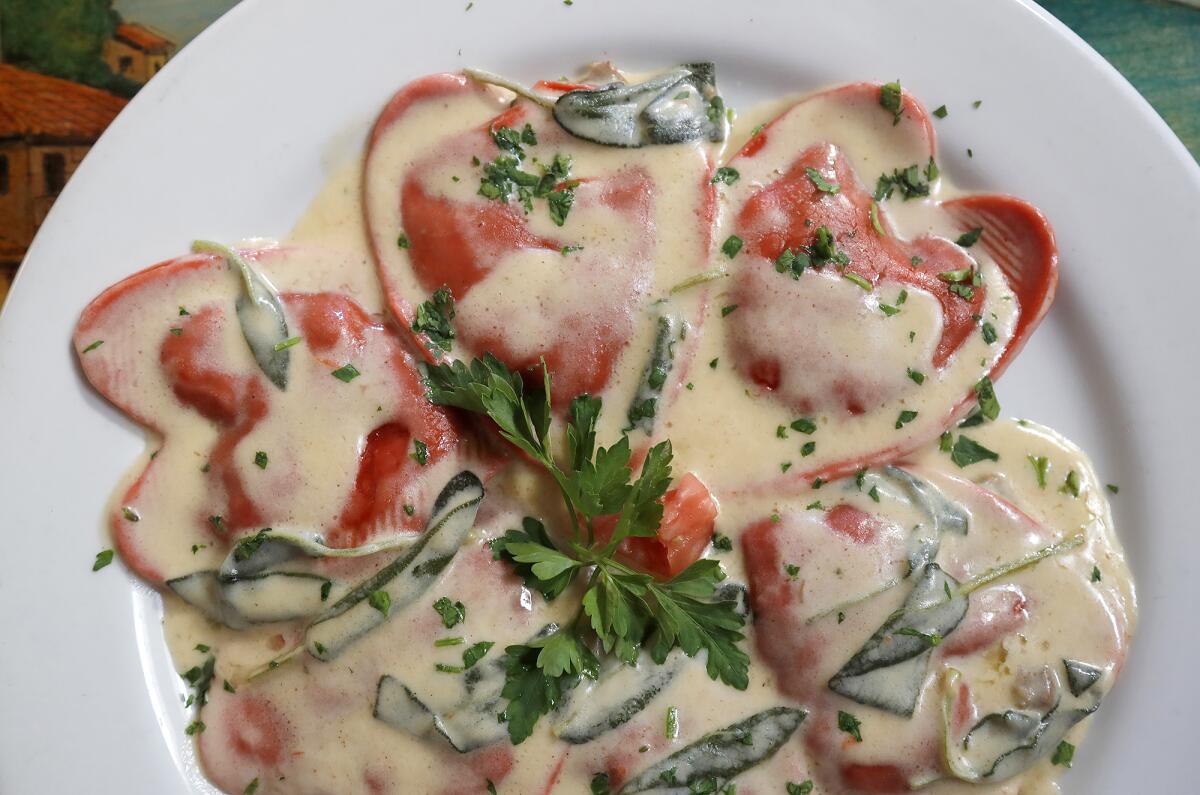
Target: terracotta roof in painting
point(142, 38)
point(34, 105)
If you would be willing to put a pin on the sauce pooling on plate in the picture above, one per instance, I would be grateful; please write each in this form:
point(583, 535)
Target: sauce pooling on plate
point(582, 440)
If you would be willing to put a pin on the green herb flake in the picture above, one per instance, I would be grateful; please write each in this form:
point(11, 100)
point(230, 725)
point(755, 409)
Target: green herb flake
point(600, 784)
point(850, 725)
point(792, 569)
point(103, 558)
point(1095, 574)
point(906, 416)
point(851, 276)
point(713, 363)
point(288, 343)
point(891, 99)
point(92, 347)
point(916, 375)
point(130, 514)
point(1071, 484)
point(985, 393)
point(977, 103)
point(970, 237)
point(722, 543)
point(725, 175)
point(672, 727)
point(931, 170)
point(808, 448)
point(203, 648)
point(325, 589)
point(420, 452)
point(380, 600)
point(402, 241)
point(820, 183)
point(433, 319)
point(784, 466)
point(452, 613)
point(818, 483)
point(251, 788)
point(1112, 487)
point(989, 332)
point(726, 311)
point(1041, 465)
point(1064, 754)
point(228, 687)
point(261, 460)
point(967, 451)
point(814, 506)
point(731, 246)
point(945, 441)
point(346, 373)
point(941, 112)
point(804, 425)
point(874, 214)
point(476, 652)
point(194, 728)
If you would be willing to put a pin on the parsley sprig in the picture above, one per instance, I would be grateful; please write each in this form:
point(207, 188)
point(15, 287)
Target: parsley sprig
point(622, 611)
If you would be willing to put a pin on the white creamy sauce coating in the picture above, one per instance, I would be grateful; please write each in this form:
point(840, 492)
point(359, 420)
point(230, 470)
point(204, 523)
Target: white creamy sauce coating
point(307, 726)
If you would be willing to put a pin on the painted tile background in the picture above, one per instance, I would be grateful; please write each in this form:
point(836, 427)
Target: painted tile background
point(67, 67)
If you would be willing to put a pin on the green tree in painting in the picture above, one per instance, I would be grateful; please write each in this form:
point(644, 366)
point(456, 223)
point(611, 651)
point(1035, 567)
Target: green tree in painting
point(62, 38)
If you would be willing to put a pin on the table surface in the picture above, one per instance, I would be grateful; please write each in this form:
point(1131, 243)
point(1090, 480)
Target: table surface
point(1155, 44)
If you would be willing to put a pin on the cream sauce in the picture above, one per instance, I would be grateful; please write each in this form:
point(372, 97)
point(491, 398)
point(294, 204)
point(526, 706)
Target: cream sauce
point(307, 726)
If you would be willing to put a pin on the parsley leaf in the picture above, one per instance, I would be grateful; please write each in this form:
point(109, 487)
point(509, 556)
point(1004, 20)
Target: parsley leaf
point(850, 725)
point(891, 99)
point(433, 319)
point(967, 451)
point(452, 613)
point(535, 559)
point(726, 175)
point(820, 183)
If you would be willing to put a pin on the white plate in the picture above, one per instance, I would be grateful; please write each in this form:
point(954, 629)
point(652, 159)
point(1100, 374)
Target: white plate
point(237, 133)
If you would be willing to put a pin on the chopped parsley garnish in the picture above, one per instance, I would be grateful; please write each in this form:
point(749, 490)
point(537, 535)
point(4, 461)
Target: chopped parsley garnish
point(251, 788)
point(245, 549)
point(1064, 754)
point(731, 246)
point(452, 613)
point(1071, 484)
point(288, 343)
point(804, 425)
point(988, 331)
point(791, 262)
point(977, 103)
point(818, 483)
point(448, 669)
point(851, 276)
point(325, 588)
point(130, 514)
point(504, 177)
point(199, 678)
point(93, 346)
point(346, 373)
point(409, 509)
point(380, 600)
point(888, 309)
point(967, 451)
point(931, 639)
point(726, 175)
point(402, 241)
point(985, 393)
point(420, 452)
point(672, 727)
point(824, 249)
point(941, 112)
point(891, 99)
point(1040, 465)
point(103, 558)
point(916, 375)
point(874, 214)
point(565, 250)
point(713, 363)
point(850, 725)
point(781, 432)
point(906, 416)
point(792, 569)
point(183, 311)
point(814, 506)
point(784, 466)
point(1095, 574)
point(202, 648)
point(456, 641)
point(194, 728)
point(945, 441)
point(931, 170)
point(622, 609)
point(970, 237)
point(261, 460)
point(433, 319)
point(908, 181)
point(860, 478)
point(820, 183)
point(722, 543)
point(476, 652)
point(1112, 487)
point(726, 311)
point(874, 493)
point(176, 331)
point(600, 784)
point(808, 448)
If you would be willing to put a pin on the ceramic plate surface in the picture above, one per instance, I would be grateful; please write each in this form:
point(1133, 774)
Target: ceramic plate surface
point(235, 136)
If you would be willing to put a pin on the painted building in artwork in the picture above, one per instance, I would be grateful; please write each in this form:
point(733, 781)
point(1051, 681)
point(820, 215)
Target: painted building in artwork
point(137, 52)
point(47, 125)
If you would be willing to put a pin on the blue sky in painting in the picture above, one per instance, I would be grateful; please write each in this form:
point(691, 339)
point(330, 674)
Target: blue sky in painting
point(179, 19)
